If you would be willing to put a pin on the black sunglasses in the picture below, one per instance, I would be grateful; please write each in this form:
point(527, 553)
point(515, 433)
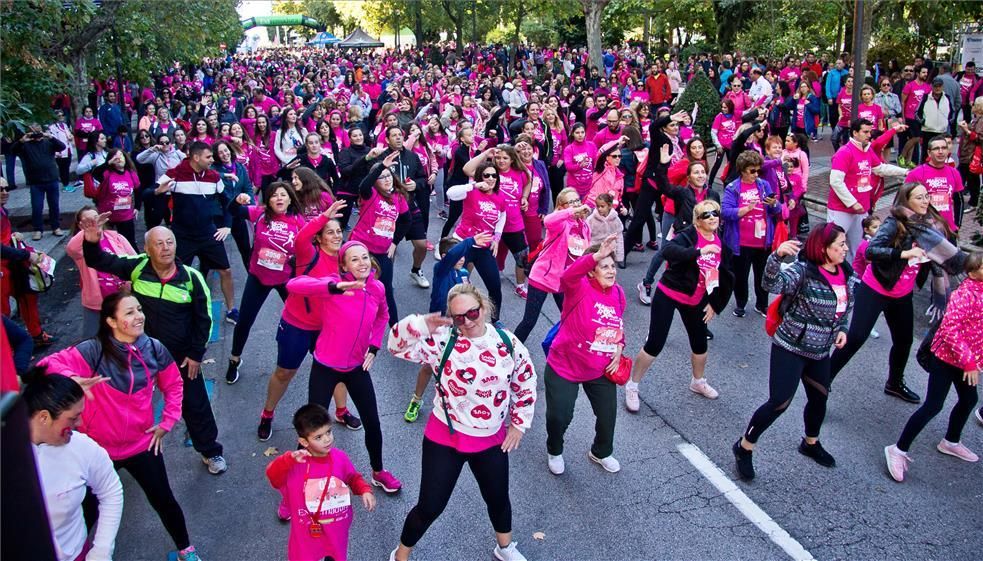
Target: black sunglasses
point(709, 214)
point(755, 171)
point(489, 175)
point(471, 315)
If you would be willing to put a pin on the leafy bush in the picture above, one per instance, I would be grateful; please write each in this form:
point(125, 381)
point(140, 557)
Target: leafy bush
point(700, 91)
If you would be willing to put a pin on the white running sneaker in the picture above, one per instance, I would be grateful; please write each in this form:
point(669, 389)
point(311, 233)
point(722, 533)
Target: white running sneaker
point(436, 253)
point(610, 464)
point(632, 402)
point(703, 388)
point(419, 280)
point(874, 334)
point(510, 553)
point(556, 464)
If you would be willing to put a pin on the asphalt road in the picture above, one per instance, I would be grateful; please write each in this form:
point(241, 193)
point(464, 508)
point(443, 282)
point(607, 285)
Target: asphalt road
point(659, 507)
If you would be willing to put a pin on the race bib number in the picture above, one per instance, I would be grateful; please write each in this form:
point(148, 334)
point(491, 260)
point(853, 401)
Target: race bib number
point(759, 228)
point(863, 185)
point(271, 259)
point(384, 227)
point(711, 279)
point(606, 340)
point(578, 246)
point(841, 298)
point(126, 203)
point(940, 201)
point(337, 497)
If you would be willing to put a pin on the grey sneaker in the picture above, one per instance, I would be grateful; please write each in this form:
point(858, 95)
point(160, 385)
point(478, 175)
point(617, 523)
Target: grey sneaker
point(216, 464)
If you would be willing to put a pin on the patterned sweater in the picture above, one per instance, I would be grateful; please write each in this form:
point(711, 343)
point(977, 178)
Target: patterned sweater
point(810, 322)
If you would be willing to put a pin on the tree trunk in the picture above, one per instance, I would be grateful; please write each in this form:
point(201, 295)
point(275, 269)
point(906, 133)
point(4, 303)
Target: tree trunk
point(593, 10)
point(848, 29)
point(418, 28)
point(647, 31)
point(80, 85)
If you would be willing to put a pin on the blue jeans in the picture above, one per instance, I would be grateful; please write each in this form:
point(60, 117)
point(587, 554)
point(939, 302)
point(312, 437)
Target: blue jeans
point(52, 191)
point(10, 164)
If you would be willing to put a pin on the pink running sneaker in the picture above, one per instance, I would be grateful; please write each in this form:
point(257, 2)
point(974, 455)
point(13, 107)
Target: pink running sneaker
point(897, 462)
point(387, 481)
point(958, 450)
point(521, 292)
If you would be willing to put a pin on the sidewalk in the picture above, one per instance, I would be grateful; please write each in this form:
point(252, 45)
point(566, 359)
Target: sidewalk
point(19, 210)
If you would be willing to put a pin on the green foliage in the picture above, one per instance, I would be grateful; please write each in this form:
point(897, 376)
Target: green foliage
point(780, 28)
point(700, 91)
point(48, 49)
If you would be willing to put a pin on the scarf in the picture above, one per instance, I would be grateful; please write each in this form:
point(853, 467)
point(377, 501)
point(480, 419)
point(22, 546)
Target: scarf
point(945, 257)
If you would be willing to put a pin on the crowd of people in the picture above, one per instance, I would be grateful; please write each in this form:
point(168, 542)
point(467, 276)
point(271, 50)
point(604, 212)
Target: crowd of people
point(319, 165)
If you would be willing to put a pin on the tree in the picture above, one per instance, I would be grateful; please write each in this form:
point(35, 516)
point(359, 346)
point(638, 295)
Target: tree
point(49, 48)
point(731, 16)
point(593, 10)
point(700, 92)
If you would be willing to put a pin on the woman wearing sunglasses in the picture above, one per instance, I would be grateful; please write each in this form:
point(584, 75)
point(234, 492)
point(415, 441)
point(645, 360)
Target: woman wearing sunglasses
point(483, 210)
point(354, 318)
point(483, 406)
point(587, 345)
point(696, 287)
point(750, 209)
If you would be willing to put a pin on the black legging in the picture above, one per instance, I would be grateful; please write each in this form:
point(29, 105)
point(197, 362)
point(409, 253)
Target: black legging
point(240, 234)
point(455, 209)
point(717, 163)
point(641, 213)
point(750, 258)
point(787, 368)
point(940, 376)
point(386, 278)
point(534, 306)
point(441, 467)
point(321, 386)
point(556, 175)
point(661, 320)
point(128, 230)
point(253, 297)
point(150, 474)
point(900, 318)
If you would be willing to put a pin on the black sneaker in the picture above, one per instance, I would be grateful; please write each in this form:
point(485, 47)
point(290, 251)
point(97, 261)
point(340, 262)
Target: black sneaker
point(901, 391)
point(265, 428)
point(763, 312)
point(739, 312)
point(817, 453)
point(709, 333)
point(232, 372)
point(350, 421)
point(744, 465)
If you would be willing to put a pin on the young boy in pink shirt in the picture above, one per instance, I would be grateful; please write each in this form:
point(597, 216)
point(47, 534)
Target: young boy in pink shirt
point(317, 483)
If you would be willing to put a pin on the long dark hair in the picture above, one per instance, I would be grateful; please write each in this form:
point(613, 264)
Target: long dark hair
point(53, 393)
point(110, 304)
point(898, 211)
point(292, 208)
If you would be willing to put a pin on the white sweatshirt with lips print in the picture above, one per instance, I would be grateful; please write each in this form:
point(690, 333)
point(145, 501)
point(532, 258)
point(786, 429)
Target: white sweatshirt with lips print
point(484, 386)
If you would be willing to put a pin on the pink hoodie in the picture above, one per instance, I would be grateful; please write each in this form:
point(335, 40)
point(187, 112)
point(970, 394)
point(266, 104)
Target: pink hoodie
point(96, 285)
point(567, 238)
point(351, 322)
point(610, 180)
point(579, 159)
point(118, 417)
point(591, 325)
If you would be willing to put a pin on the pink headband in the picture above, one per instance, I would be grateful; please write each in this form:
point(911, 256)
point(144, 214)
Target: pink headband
point(344, 249)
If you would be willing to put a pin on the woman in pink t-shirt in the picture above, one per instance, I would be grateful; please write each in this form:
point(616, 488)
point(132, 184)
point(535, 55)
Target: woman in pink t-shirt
point(276, 225)
point(117, 190)
point(383, 219)
point(588, 344)
point(578, 158)
point(696, 287)
point(913, 235)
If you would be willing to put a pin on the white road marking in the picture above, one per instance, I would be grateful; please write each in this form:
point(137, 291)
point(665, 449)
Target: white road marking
point(743, 503)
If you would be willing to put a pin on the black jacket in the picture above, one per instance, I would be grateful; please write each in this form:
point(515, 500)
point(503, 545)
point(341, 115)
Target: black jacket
point(685, 199)
point(183, 327)
point(38, 158)
point(683, 274)
point(353, 167)
point(326, 170)
point(409, 167)
point(884, 256)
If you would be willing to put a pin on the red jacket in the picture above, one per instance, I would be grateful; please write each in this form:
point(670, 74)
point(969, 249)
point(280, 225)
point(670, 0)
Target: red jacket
point(658, 89)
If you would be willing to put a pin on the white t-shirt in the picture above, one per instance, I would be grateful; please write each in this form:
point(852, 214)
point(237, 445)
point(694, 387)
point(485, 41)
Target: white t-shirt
point(65, 471)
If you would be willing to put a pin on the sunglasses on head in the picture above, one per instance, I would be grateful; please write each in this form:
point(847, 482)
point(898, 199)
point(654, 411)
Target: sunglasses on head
point(470, 315)
point(709, 214)
point(489, 175)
